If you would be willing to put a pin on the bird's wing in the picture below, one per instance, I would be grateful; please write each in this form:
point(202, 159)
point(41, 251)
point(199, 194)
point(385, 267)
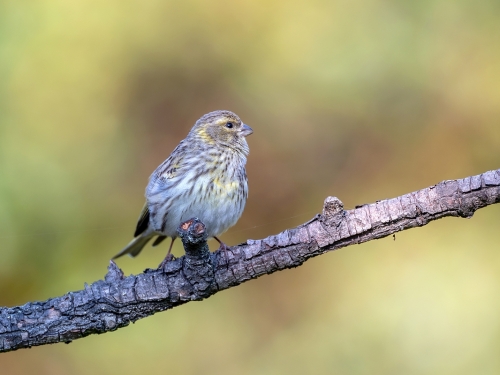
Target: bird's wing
point(166, 172)
point(163, 186)
point(159, 240)
point(143, 222)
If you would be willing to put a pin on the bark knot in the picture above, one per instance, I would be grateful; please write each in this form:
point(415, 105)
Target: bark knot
point(197, 264)
point(333, 212)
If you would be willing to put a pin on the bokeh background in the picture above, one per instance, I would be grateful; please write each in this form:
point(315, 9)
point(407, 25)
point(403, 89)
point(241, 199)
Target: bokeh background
point(361, 99)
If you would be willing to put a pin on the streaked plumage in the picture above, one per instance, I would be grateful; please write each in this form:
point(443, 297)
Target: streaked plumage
point(204, 177)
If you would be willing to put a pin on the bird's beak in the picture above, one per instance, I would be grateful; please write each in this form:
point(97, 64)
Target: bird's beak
point(246, 130)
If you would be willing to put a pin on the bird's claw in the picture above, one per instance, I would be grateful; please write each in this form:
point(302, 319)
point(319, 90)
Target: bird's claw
point(224, 249)
point(168, 258)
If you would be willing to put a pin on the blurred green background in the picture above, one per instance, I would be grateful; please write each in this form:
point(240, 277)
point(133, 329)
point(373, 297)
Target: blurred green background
point(363, 100)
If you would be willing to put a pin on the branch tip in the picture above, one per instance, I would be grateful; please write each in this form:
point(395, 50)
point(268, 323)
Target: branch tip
point(192, 231)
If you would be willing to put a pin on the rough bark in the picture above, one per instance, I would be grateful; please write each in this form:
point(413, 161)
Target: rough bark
point(114, 302)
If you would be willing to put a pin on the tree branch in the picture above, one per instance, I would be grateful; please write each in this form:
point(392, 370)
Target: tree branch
point(114, 302)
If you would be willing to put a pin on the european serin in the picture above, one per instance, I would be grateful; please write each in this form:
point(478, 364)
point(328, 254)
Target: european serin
point(204, 177)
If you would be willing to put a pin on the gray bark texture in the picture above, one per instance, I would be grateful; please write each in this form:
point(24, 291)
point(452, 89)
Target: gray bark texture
point(114, 302)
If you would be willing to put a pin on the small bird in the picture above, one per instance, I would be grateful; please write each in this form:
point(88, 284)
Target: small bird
point(203, 177)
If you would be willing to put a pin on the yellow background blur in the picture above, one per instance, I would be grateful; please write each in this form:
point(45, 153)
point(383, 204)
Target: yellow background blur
point(363, 100)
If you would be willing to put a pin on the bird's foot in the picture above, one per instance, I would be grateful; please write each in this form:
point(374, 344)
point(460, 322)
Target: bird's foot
point(223, 248)
point(168, 258)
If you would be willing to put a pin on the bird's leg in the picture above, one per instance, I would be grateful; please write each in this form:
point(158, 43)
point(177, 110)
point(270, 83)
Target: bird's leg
point(223, 248)
point(169, 256)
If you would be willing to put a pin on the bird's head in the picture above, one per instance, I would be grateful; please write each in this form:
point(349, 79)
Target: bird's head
point(223, 128)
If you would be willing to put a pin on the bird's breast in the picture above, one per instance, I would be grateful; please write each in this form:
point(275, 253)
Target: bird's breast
point(226, 186)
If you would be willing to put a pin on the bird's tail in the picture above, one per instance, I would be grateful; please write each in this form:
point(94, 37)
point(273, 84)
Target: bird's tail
point(135, 246)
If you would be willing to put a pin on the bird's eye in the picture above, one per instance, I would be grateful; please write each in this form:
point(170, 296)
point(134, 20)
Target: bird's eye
point(229, 125)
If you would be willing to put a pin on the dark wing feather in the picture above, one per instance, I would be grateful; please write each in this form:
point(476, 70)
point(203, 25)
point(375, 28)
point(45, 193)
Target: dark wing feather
point(143, 222)
point(159, 240)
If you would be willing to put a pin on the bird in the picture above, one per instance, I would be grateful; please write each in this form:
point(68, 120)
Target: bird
point(204, 177)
